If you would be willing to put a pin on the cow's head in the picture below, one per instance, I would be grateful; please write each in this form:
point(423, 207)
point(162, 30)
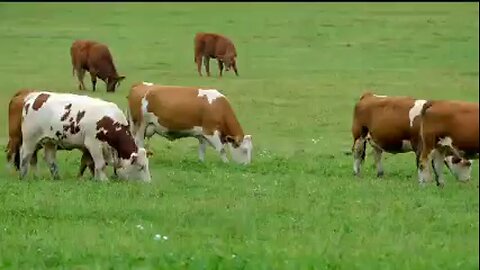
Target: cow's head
point(114, 82)
point(135, 168)
point(241, 150)
point(461, 168)
point(230, 62)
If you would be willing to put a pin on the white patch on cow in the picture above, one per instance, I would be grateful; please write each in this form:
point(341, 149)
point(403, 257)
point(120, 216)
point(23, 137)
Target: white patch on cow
point(211, 94)
point(147, 83)
point(461, 170)
point(144, 105)
point(447, 141)
point(379, 96)
point(416, 110)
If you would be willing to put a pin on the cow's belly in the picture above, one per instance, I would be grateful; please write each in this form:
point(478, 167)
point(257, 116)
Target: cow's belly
point(391, 145)
point(62, 144)
point(154, 127)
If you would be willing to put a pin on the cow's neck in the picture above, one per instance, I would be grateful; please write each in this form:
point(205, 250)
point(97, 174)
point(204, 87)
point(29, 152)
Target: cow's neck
point(125, 147)
point(118, 136)
point(232, 128)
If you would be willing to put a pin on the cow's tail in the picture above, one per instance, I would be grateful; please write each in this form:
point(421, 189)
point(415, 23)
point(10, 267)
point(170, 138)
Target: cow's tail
point(13, 150)
point(129, 119)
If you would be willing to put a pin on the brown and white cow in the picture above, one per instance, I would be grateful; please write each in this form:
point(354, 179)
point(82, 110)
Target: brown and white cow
point(211, 45)
point(176, 112)
point(94, 57)
point(448, 128)
point(71, 121)
point(389, 124)
point(15, 107)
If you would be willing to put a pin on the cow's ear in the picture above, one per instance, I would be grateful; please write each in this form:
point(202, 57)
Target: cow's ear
point(149, 153)
point(120, 78)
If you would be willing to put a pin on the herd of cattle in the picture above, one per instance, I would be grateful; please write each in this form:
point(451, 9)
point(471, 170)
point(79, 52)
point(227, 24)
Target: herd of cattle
point(439, 132)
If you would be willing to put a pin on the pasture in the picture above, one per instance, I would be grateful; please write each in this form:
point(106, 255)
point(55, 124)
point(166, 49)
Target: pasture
point(297, 206)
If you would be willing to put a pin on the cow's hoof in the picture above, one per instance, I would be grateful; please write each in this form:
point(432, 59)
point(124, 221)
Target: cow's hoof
point(380, 174)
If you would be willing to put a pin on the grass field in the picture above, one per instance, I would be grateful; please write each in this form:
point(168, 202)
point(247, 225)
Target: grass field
point(302, 67)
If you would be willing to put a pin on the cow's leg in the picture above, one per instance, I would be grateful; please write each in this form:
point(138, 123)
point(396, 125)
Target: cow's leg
point(34, 162)
point(377, 155)
point(85, 162)
point(96, 152)
point(220, 67)
point(26, 152)
point(437, 165)
point(93, 76)
point(206, 61)
point(358, 154)
point(140, 135)
point(50, 152)
point(216, 143)
point(80, 75)
point(423, 166)
point(235, 69)
point(202, 147)
point(198, 61)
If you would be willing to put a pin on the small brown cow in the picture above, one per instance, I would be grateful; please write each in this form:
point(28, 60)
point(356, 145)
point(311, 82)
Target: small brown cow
point(15, 107)
point(95, 58)
point(448, 128)
point(210, 45)
point(176, 112)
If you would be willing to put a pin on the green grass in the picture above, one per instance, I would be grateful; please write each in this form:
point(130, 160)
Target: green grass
point(302, 67)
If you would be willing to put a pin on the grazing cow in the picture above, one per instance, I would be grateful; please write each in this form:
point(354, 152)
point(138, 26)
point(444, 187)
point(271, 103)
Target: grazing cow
point(15, 107)
point(74, 121)
point(448, 128)
point(95, 58)
point(210, 45)
point(389, 124)
point(175, 112)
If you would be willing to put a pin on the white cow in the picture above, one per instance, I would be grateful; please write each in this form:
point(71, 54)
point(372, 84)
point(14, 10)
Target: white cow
point(74, 121)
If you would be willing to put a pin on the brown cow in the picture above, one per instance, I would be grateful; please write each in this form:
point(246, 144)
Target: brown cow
point(15, 107)
point(448, 128)
point(210, 45)
point(176, 112)
point(389, 124)
point(95, 58)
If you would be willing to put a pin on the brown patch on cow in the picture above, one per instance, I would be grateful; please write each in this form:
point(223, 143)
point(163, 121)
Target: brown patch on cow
point(26, 108)
point(117, 136)
point(80, 115)
point(38, 103)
